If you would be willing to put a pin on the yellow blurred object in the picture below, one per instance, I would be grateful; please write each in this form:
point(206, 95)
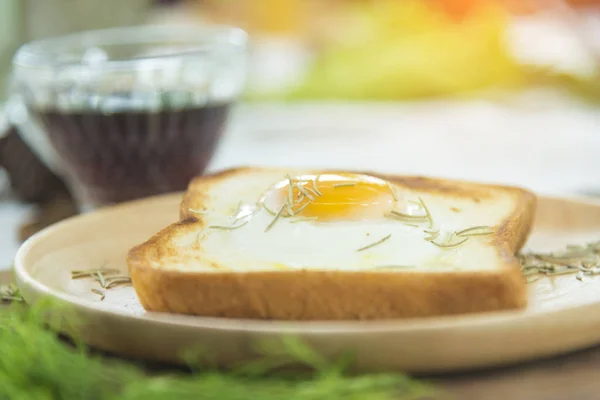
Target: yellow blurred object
point(276, 16)
point(258, 17)
point(390, 50)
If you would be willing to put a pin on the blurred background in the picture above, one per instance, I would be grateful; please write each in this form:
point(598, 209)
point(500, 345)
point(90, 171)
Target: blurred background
point(504, 91)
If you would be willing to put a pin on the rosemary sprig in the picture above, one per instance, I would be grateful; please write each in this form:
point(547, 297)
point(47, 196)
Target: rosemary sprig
point(92, 273)
point(409, 217)
point(427, 212)
point(228, 227)
point(236, 215)
point(116, 281)
point(104, 276)
point(375, 243)
point(311, 191)
point(580, 261)
point(99, 293)
point(302, 207)
point(430, 238)
point(412, 220)
point(267, 209)
point(558, 260)
point(305, 192)
point(348, 184)
point(409, 224)
point(277, 216)
point(315, 181)
point(389, 185)
point(100, 278)
point(290, 210)
point(563, 271)
point(406, 221)
point(290, 196)
point(448, 244)
point(476, 231)
point(433, 234)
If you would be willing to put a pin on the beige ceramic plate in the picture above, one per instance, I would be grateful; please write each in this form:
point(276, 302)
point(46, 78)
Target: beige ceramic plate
point(564, 313)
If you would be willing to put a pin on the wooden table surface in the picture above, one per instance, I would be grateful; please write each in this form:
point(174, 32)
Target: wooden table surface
point(574, 376)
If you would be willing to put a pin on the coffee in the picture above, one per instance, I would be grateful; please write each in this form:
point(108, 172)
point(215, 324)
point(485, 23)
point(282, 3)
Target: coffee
point(122, 155)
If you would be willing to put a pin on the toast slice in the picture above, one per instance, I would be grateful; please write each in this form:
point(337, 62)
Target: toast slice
point(269, 243)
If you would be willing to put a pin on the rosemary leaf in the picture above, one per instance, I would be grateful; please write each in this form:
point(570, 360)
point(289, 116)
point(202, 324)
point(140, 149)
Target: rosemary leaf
point(76, 274)
point(531, 271)
point(101, 279)
point(409, 224)
point(476, 231)
point(448, 245)
point(290, 198)
point(121, 280)
point(375, 243)
point(339, 185)
point(99, 293)
point(389, 185)
point(267, 209)
point(560, 272)
point(400, 215)
point(302, 207)
point(427, 212)
point(317, 191)
point(311, 191)
point(228, 227)
point(277, 216)
point(305, 192)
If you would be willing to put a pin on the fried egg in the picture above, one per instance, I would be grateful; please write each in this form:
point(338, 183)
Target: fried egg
point(340, 222)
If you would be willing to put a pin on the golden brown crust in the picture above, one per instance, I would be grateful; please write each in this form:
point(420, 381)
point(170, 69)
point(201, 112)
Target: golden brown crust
point(195, 195)
point(336, 295)
point(326, 295)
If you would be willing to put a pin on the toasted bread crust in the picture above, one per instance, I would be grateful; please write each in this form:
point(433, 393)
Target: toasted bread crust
point(335, 295)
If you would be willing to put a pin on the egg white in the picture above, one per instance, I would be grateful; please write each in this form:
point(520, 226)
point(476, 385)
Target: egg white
point(333, 245)
point(296, 245)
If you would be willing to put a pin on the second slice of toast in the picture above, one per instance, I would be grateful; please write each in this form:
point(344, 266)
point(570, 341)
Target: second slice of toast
point(445, 247)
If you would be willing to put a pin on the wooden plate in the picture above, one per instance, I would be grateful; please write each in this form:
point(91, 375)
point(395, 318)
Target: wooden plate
point(564, 313)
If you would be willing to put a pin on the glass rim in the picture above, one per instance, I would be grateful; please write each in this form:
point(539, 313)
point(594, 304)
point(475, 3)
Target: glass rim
point(62, 50)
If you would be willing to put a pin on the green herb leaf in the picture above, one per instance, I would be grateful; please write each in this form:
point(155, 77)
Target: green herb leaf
point(375, 243)
point(10, 293)
point(35, 364)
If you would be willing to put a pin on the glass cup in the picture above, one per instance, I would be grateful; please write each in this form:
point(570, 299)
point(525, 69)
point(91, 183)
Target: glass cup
point(126, 113)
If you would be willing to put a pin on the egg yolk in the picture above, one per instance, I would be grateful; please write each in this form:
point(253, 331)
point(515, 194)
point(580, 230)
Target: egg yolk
point(335, 197)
